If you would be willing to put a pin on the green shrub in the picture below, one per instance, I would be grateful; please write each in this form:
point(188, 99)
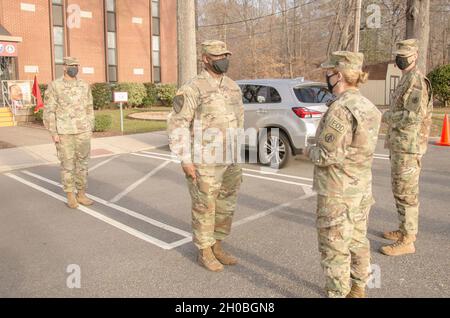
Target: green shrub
point(152, 94)
point(166, 93)
point(43, 88)
point(101, 93)
point(440, 80)
point(39, 115)
point(136, 93)
point(102, 123)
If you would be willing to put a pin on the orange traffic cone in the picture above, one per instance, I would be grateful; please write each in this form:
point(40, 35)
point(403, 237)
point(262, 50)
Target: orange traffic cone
point(445, 139)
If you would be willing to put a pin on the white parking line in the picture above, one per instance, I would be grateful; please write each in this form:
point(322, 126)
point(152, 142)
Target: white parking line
point(102, 163)
point(245, 174)
point(159, 154)
point(262, 171)
point(156, 157)
point(277, 174)
point(382, 158)
point(181, 242)
point(188, 236)
point(119, 208)
point(99, 216)
point(139, 182)
point(251, 218)
point(164, 245)
point(168, 155)
point(271, 210)
point(278, 180)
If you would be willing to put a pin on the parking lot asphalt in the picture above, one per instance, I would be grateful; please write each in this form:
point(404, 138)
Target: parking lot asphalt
point(136, 240)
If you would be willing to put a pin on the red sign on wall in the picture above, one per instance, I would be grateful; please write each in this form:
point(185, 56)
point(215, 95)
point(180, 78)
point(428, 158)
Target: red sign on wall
point(8, 49)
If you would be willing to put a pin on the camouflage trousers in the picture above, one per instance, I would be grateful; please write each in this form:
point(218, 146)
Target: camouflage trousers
point(405, 174)
point(343, 243)
point(73, 153)
point(214, 198)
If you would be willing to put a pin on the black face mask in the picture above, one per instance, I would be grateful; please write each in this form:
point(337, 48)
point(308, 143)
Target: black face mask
point(72, 71)
point(331, 87)
point(220, 66)
point(402, 62)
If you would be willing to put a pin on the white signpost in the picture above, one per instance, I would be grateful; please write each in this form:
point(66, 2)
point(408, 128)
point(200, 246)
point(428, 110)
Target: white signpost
point(121, 97)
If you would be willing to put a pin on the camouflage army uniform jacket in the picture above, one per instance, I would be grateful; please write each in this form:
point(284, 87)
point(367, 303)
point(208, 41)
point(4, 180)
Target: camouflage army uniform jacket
point(212, 104)
point(409, 117)
point(346, 141)
point(69, 107)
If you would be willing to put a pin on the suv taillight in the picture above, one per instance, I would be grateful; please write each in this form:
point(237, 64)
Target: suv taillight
point(306, 113)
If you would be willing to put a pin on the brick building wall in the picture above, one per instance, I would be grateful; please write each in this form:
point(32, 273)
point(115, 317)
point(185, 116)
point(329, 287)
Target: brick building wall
point(133, 40)
point(169, 55)
point(31, 20)
point(34, 28)
point(87, 42)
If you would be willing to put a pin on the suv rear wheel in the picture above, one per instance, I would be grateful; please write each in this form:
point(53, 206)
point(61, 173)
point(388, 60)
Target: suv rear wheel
point(274, 149)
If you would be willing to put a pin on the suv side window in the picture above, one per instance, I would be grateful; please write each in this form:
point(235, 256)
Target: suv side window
point(258, 94)
point(274, 96)
point(313, 94)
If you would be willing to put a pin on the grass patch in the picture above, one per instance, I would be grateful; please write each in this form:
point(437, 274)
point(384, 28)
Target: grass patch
point(134, 126)
point(442, 110)
point(436, 128)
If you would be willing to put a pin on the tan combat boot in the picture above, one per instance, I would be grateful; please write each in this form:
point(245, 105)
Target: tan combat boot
point(83, 199)
point(357, 292)
point(72, 200)
point(405, 245)
point(393, 236)
point(207, 259)
point(222, 256)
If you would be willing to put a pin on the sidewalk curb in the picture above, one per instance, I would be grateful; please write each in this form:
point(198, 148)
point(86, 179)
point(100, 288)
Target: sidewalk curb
point(13, 159)
point(5, 169)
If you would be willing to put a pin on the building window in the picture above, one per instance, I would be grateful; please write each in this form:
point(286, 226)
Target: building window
point(156, 42)
point(111, 40)
point(58, 36)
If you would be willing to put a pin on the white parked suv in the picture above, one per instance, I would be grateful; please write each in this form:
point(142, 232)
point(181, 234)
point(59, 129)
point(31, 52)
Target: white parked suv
point(290, 110)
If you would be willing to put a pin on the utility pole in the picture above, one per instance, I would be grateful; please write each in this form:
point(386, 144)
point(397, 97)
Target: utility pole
point(187, 45)
point(418, 27)
point(448, 54)
point(357, 25)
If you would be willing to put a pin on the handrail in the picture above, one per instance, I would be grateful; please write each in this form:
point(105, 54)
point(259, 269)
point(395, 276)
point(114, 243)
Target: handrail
point(6, 102)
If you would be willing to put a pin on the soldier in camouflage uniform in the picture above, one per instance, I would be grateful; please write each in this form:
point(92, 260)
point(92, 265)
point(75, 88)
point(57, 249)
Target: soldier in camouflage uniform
point(209, 101)
point(69, 116)
point(409, 121)
point(346, 140)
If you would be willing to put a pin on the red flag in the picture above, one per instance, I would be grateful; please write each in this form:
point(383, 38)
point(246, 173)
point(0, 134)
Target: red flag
point(37, 94)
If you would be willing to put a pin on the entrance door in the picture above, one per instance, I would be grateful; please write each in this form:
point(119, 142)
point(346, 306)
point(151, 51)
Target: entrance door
point(8, 71)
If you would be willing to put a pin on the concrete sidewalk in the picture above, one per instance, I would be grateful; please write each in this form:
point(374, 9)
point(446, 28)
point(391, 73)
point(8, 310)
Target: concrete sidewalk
point(23, 136)
point(43, 154)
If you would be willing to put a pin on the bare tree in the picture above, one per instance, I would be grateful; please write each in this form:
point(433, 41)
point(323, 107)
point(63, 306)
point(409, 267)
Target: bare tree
point(288, 53)
point(418, 26)
point(187, 51)
point(345, 36)
point(290, 38)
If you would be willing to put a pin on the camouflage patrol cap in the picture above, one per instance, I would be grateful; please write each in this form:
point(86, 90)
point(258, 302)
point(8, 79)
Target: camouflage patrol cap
point(214, 47)
point(407, 47)
point(345, 60)
point(69, 61)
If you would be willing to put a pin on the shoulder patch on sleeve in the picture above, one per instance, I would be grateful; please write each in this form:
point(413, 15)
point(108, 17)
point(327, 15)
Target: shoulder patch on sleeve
point(178, 103)
point(414, 101)
point(330, 138)
point(337, 125)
